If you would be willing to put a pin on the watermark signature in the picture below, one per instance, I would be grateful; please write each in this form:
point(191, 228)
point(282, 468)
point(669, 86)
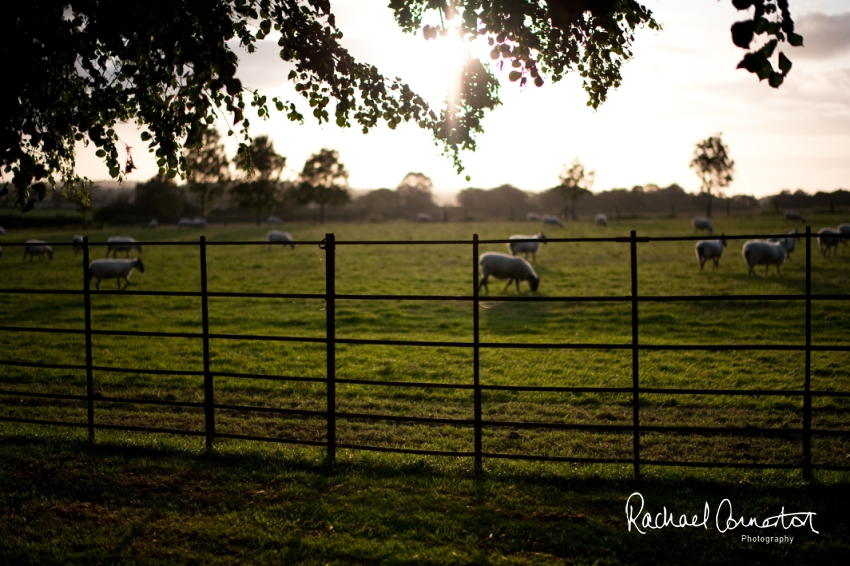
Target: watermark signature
point(724, 519)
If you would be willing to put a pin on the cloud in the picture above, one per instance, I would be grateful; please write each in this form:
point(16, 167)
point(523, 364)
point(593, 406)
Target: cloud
point(824, 35)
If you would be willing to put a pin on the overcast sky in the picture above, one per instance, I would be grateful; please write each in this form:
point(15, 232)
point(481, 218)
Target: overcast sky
point(681, 87)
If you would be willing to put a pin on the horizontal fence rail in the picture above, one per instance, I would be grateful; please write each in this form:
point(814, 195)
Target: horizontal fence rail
point(331, 413)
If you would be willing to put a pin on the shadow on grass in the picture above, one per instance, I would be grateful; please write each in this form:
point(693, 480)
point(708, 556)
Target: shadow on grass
point(64, 501)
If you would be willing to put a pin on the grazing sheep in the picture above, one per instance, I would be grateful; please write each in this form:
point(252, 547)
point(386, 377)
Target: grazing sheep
point(790, 242)
point(199, 223)
point(278, 237)
point(2, 231)
point(37, 248)
point(601, 220)
point(153, 224)
point(503, 266)
point(793, 216)
point(845, 231)
point(117, 244)
point(756, 252)
point(114, 268)
point(517, 248)
point(828, 238)
point(422, 217)
point(78, 244)
point(553, 220)
point(274, 220)
point(184, 223)
point(532, 216)
point(702, 223)
point(710, 250)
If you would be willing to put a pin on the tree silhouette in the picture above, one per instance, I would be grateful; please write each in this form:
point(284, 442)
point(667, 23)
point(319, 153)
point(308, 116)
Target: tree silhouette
point(504, 200)
point(575, 183)
point(84, 67)
point(261, 190)
point(324, 181)
point(712, 164)
point(161, 198)
point(415, 192)
point(208, 170)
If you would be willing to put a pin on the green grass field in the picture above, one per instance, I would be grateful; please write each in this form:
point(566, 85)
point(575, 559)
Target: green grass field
point(566, 269)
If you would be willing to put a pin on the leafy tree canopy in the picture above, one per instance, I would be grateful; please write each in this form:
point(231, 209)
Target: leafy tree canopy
point(161, 198)
point(261, 190)
point(713, 165)
point(85, 66)
point(323, 180)
point(208, 168)
point(415, 192)
point(575, 183)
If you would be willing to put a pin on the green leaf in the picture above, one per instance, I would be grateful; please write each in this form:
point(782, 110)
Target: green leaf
point(765, 71)
point(795, 39)
point(784, 63)
point(769, 47)
point(100, 153)
point(514, 76)
point(775, 79)
point(146, 136)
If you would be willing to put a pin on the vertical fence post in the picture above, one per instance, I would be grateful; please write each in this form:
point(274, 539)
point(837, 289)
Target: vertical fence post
point(635, 374)
point(330, 318)
point(209, 399)
point(87, 307)
point(807, 395)
point(476, 376)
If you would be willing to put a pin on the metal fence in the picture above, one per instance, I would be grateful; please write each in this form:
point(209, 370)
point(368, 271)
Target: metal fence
point(331, 414)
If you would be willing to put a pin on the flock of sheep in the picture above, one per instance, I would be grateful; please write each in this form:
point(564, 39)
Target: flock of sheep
point(774, 251)
point(99, 268)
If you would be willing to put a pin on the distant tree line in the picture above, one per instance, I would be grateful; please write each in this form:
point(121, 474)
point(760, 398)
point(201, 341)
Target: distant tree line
point(257, 189)
point(250, 186)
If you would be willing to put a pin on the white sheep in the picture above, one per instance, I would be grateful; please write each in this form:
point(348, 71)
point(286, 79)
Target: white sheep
point(790, 242)
point(117, 244)
point(828, 238)
point(709, 250)
point(2, 231)
point(601, 220)
point(423, 217)
point(756, 252)
point(702, 223)
point(503, 266)
point(793, 216)
point(532, 216)
point(37, 248)
point(153, 224)
point(199, 223)
point(114, 269)
point(524, 248)
point(845, 231)
point(552, 220)
point(184, 223)
point(274, 220)
point(278, 237)
point(77, 240)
